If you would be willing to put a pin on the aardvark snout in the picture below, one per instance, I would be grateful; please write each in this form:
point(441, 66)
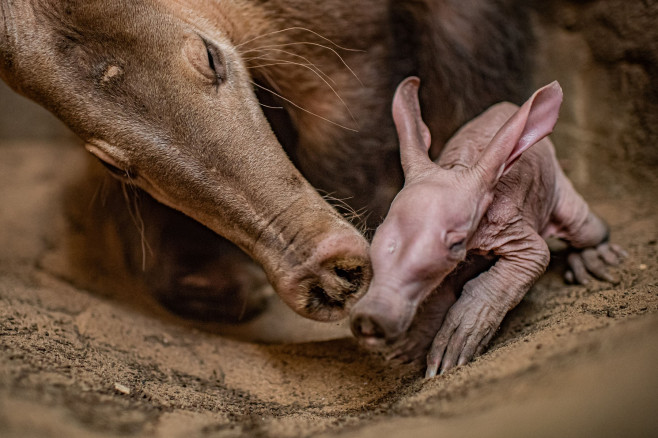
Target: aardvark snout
point(326, 285)
point(377, 321)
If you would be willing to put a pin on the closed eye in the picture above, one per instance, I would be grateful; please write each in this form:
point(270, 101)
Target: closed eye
point(206, 58)
point(121, 173)
point(215, 62)
point(458, 246)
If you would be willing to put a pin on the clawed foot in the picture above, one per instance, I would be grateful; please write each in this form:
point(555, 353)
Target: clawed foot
point(412, 347)
point(468, 327)
point(594, 262)
point(415, 343)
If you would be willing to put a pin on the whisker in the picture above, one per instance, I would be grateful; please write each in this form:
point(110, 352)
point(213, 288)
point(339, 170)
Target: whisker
point(99, 195)
point(360, 218)
point(302, 108)
point(270, 82)
point(297, 28)
point(364, 229)
point(271, 64)
point(136, 216)
point(283, 62)
point(339, 203)
point(270, 106)
point(297, 43)
point(305, 59)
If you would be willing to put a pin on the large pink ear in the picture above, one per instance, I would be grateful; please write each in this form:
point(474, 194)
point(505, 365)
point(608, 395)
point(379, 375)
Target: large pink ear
point(531, 123)
point(415, 138)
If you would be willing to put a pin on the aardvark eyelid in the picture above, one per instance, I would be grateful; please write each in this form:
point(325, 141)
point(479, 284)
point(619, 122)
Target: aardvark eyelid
point(457, 246)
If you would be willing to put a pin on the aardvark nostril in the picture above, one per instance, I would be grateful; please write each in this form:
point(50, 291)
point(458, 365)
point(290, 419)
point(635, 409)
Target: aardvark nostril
point(318, 299)
point(354, 276)
point(331, 278)
point(365, 327)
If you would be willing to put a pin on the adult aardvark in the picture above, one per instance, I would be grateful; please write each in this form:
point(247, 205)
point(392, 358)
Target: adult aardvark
point(164, 93)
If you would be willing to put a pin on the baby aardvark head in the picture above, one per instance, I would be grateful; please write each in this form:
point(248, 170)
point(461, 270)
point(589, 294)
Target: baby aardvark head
point(432, 222)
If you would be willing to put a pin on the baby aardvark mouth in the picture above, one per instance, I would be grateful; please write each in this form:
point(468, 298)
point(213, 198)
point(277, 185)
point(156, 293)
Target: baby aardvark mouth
point(381, 317)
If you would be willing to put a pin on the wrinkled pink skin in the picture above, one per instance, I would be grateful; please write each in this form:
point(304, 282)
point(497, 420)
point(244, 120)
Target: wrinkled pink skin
point(490, 197)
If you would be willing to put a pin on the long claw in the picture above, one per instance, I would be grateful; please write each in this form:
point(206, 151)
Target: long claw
point(393, 355)
point(439, 345)
point(578, 267)
point(435, 356)
point(608, 255)
point(469, 350)
point(568, 277)
point(621, 252)
point(483, 345)
point(455, 346)
point(592, 259)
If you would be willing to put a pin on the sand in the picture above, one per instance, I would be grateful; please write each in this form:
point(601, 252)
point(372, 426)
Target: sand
point(569, 360)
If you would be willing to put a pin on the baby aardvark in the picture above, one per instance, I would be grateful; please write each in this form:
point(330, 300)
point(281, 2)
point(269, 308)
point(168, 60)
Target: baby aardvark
point(489, 195)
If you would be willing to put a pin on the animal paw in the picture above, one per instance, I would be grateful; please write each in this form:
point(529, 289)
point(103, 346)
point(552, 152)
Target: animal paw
point(412, 347)
point(416, 342)
point(468, 327)
point(594, 262)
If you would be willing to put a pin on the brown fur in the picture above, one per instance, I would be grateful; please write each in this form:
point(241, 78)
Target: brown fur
point(125, 86)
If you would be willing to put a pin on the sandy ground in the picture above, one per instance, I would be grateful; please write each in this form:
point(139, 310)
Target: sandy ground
point(568, 361)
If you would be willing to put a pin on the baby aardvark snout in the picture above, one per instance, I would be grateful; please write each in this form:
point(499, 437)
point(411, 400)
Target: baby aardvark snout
point(376, 322)
point(366, 328)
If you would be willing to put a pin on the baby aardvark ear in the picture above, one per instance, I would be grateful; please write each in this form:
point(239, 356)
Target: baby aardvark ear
point(531, 123)
point(415, 138)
